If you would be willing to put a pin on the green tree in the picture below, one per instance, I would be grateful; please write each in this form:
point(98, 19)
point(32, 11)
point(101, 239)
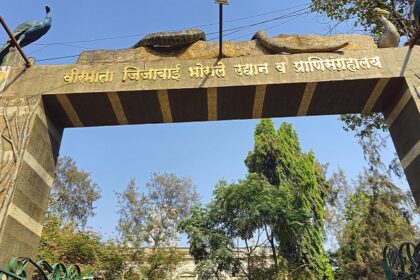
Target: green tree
point(372, 212)
point(149, 220)
point(375, 214)
point(278, 157)
point(209, 244)
point(67, 244)
point(361, 13)
point(73, 193)
point(370, 129)
point(279, 204)
point(71, 204)
point(160, 263)
point(243, 209)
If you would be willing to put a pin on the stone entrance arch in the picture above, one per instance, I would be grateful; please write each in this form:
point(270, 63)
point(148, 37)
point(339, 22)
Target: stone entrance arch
point(38, 103)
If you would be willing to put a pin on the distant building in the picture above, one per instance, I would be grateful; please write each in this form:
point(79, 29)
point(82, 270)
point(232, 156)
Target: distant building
point(185, 270)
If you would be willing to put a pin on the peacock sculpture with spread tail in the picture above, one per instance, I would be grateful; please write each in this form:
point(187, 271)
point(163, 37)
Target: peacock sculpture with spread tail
point(390, 38)
point(28, 32)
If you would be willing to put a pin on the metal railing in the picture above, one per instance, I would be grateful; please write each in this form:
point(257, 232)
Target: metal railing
point(402, 263)
point(19, 268)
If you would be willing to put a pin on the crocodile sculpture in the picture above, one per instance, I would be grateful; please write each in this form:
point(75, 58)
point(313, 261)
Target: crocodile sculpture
point(275, 47)
point(172, 40)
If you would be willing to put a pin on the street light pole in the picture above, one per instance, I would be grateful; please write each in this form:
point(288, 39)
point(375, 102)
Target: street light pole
point(221, 3)
point(220, 31)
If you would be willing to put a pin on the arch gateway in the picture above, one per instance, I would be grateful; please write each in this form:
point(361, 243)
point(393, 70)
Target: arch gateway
point(121, 87)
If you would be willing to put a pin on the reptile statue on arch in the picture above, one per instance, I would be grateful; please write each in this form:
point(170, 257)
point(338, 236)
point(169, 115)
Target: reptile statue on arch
point(175, 40)
point(172, 40)
point(276, 47)
point(191, 44)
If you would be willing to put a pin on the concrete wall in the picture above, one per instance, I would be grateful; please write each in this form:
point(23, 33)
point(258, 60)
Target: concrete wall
point(29, 149)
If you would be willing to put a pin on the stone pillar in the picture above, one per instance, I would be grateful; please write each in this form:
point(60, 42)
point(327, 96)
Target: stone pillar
point(402, 116)
point(29, 147)
point(13, 58)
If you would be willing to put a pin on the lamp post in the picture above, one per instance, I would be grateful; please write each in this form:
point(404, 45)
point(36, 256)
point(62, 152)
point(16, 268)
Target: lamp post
point(221, 3)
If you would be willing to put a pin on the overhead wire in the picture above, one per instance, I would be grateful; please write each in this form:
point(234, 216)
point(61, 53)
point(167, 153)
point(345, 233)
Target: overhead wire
point(38, 50)
point(230, 31)
point(268, 28)
point(59, 57)
point(238, 29)
point(198, 26)
point(269, 13)
point(46, 46)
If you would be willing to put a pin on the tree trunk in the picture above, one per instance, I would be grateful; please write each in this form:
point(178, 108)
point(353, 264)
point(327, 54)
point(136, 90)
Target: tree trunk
point(248, 260)
point(270, 239)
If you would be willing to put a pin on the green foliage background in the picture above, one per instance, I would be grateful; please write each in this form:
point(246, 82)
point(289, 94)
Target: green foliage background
point(282, 198)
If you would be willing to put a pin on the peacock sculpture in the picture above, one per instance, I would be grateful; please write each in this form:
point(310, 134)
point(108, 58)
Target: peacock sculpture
point(390, 37)
point(28, 32)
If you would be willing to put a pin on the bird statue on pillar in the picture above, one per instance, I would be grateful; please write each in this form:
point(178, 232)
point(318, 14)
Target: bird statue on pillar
point(390, 37)
point(28, 32)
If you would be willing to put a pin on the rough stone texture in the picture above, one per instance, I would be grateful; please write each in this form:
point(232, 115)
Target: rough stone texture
point(26, 174)
point(13, 58)
point(208, 50)
point(49, 80)
point(403, 120)
point(172, 39)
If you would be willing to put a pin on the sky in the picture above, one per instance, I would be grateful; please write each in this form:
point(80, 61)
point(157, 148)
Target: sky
point(204, 151)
